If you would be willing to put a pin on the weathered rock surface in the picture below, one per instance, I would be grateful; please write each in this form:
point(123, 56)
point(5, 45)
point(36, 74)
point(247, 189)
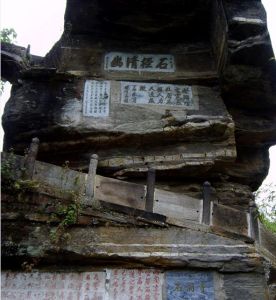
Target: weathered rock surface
point(132, 247)
point(171, 139)
point(15, 60)
point(221, 53)
point(154, 21)
point(28, 240)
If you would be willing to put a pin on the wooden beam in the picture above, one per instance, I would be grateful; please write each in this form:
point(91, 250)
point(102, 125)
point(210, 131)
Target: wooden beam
point(206, 211)
point(120, 192)
point(150, 190)
point(177, 206)
point(140, 215)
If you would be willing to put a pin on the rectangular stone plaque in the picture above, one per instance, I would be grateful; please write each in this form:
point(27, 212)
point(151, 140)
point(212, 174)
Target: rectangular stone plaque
point(157, 94)
point(118, 284)
point(118, 61)
point(52, 286)
point(96, 98)
point(189, 285)
point(112, 284)
point(135, 284)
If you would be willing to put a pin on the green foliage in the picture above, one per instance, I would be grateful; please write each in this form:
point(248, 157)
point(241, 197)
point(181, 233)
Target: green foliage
point(68, 215)
point(266, 201)
point(7, 176)
point(8, 35)
point(23, 186)
point(9, 183)
point(270, 225)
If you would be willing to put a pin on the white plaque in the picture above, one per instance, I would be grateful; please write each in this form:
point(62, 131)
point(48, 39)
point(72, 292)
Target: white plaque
point(109, 284)
point(135, 284)
point(133, 93)
point(96, 98)
point(117, 61)
point(52, 286)
point(121, 284)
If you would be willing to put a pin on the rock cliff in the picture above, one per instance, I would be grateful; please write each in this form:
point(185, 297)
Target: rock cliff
point(184, 88)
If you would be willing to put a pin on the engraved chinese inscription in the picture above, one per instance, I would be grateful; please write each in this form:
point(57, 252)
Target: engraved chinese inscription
point(115, 284)
point(52, 286)
point(122, 284)
point(116, 61)
point(96, 98)
point(157, 94)
point(135, 284)
point(189, 285)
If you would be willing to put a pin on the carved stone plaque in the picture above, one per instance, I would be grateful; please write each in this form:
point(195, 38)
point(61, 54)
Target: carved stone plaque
point(136, 284)
point(157, 94)
point(117, 61)
point(52, 286)
point(96, 98)
point(190, 285)
point(112, 284)
point(118, 284)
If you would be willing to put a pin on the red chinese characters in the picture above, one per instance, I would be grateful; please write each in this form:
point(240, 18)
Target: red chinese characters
point(135, 285)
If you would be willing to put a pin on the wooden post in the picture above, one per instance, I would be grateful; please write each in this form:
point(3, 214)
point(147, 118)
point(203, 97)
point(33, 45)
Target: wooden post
point(254, 226)
point(150, 189)
point(206, 211)
point(29, 163)
point(89, 189)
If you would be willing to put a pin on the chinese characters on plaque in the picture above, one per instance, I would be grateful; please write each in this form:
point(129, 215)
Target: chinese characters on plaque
point(117, 61)
point(136, 285)
point(96, 98)
point(53, 286)
point(157, 94)
point(189, 285)
point(114, 284)
point(97, 94)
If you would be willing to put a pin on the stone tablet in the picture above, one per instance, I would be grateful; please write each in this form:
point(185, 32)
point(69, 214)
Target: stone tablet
point(118, 284)
point(190, 285)
point(117, 61)
point(157, 94)
point(135, 284)
point(115, 284)
point(52, 286)
point(96, 98)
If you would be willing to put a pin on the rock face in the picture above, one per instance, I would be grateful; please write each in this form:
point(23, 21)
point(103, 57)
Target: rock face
point(213, 45)
point(186, 88)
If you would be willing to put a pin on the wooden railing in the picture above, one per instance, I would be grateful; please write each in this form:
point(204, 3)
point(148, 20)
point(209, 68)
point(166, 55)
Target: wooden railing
point(169, 207)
